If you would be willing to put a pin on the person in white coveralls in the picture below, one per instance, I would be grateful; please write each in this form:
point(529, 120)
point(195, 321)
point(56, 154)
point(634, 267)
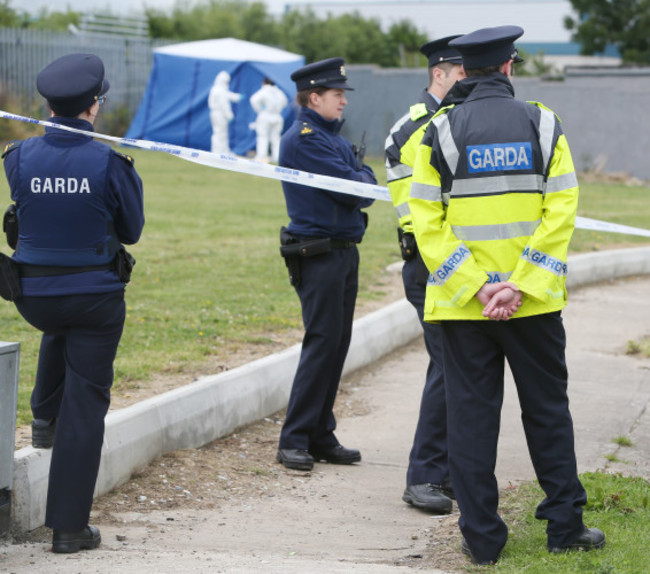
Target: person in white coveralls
point(268, 102)
point(221, 113)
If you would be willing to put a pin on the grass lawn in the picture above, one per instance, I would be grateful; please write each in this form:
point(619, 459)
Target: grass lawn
point(209, 277)
point(619, 506)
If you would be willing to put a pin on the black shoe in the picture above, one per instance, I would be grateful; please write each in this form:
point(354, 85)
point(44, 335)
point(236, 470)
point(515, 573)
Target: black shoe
point(65, 542)
point(465, 549)
point(428, 497)
point(336, 455)
point(295, 458)
point(447, 489)
point(43, 433)
point(590, 539)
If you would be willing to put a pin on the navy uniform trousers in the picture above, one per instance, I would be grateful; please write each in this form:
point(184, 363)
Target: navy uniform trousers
point(328, 293)
point(428, 458)
point(75, 373)
point(474, 353)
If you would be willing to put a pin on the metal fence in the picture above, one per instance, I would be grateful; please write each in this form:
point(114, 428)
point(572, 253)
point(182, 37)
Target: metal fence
point(24, 52)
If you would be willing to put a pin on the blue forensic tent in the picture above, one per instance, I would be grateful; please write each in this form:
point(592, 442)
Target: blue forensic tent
point(174, 108)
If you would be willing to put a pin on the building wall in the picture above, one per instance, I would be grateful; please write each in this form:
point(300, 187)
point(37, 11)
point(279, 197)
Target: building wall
point(604, 113)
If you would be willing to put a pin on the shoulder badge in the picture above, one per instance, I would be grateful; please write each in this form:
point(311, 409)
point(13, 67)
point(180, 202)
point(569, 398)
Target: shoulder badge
point(306, 129)
point(417, 111)
point(541, 105)
point(127, 158)
point(11, 146)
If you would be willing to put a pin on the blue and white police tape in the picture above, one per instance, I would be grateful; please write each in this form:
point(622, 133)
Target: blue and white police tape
point(232, 163)
point(241, 165)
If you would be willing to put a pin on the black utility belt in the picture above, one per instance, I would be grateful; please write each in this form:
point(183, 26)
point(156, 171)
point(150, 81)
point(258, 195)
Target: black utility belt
point(29, 270)
point(309, 247)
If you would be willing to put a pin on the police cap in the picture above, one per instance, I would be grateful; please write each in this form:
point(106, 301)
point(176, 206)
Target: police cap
point(72, 83)
point(439, 51)
point(488, 46)
point(328, 73)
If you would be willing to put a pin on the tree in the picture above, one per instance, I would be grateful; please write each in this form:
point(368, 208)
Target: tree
point(624, 24)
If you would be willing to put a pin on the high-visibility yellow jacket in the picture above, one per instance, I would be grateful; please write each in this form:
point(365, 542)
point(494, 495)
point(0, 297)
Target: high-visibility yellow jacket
point(493, 198)
point(401, 146)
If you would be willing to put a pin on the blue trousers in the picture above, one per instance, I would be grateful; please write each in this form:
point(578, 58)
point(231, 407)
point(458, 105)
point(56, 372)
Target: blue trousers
point(328, 294)
point(428, 457)
point(474, 360)
point(75, 373)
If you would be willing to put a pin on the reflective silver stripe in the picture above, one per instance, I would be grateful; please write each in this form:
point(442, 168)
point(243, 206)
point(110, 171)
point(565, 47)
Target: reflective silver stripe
point(498, 276)
point(396, 127)
point(402, 209)
point(544, 261)
point(492, 232)
point(497, 183)
point(448, 268)
point(447, 143)
point(424, 191)
point(546, 131)
point(399, 171)
point(562, 182)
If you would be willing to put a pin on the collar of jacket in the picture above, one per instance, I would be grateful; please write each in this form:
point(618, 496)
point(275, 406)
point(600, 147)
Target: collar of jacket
point(64, 136)
point(428, 100)
point(310, 116)
point(478, 87)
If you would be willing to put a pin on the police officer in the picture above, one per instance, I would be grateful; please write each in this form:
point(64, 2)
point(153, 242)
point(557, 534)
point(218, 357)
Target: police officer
point(493, 200)
point(427, 479)
point(325, 228)
point(77, 200)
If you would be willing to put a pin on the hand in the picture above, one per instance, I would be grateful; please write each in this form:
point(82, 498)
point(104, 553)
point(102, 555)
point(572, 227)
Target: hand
point(504, 302)
point(486, 292)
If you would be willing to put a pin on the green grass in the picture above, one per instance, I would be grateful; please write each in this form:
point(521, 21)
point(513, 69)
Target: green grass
point(640, 347)
point(619, 506)
point(209, 277)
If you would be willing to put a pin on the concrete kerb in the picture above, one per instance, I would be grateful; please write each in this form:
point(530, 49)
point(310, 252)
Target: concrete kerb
point(214, 406)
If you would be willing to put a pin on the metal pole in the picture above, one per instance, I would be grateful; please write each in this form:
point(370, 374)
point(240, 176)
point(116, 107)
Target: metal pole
point(9, 357)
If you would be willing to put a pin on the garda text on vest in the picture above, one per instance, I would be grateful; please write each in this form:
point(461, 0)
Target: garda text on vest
point(499, 157)
point(60, 185)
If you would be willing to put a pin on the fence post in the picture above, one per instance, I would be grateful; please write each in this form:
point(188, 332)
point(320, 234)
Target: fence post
point(9, 357)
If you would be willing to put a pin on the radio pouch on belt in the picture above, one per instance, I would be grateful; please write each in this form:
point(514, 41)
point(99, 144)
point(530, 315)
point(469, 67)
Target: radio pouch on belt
point(407, 244)
point(124, 263)
point(292, 249)
point(10, 226)
point(10, 286)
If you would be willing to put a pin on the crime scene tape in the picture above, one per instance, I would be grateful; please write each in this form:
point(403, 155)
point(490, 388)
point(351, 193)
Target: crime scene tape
point(241, 165)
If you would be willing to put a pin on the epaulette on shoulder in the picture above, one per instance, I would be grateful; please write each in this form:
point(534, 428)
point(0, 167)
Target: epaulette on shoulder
point(11, 146)
point(417, 111)
point(306, 129)
point(542, 106)
point(127, 158)
point(443, 110)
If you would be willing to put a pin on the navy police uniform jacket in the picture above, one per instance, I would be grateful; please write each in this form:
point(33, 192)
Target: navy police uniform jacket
point(77, 200)
point(313, 144)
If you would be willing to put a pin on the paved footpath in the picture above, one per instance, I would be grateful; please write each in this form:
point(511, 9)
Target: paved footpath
point(351, 519)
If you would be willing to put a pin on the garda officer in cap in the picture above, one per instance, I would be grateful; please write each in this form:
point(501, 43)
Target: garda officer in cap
point(427, 479)
point(77, 201)
point(320, 249)
point(493, 200)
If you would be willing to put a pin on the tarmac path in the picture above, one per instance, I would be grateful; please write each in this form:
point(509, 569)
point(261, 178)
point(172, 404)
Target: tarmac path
point(352, 519)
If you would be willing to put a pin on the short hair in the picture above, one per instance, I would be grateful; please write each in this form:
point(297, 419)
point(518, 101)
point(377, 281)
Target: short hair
point(487, 71)
point(446, 67)
point(302, 97)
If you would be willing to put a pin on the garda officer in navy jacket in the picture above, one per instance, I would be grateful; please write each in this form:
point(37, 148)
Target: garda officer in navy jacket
point(77, 200)
point(326, 226)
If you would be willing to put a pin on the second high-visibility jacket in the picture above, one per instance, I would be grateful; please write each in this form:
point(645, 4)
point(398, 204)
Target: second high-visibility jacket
point(493, 198)
point(400, 149)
